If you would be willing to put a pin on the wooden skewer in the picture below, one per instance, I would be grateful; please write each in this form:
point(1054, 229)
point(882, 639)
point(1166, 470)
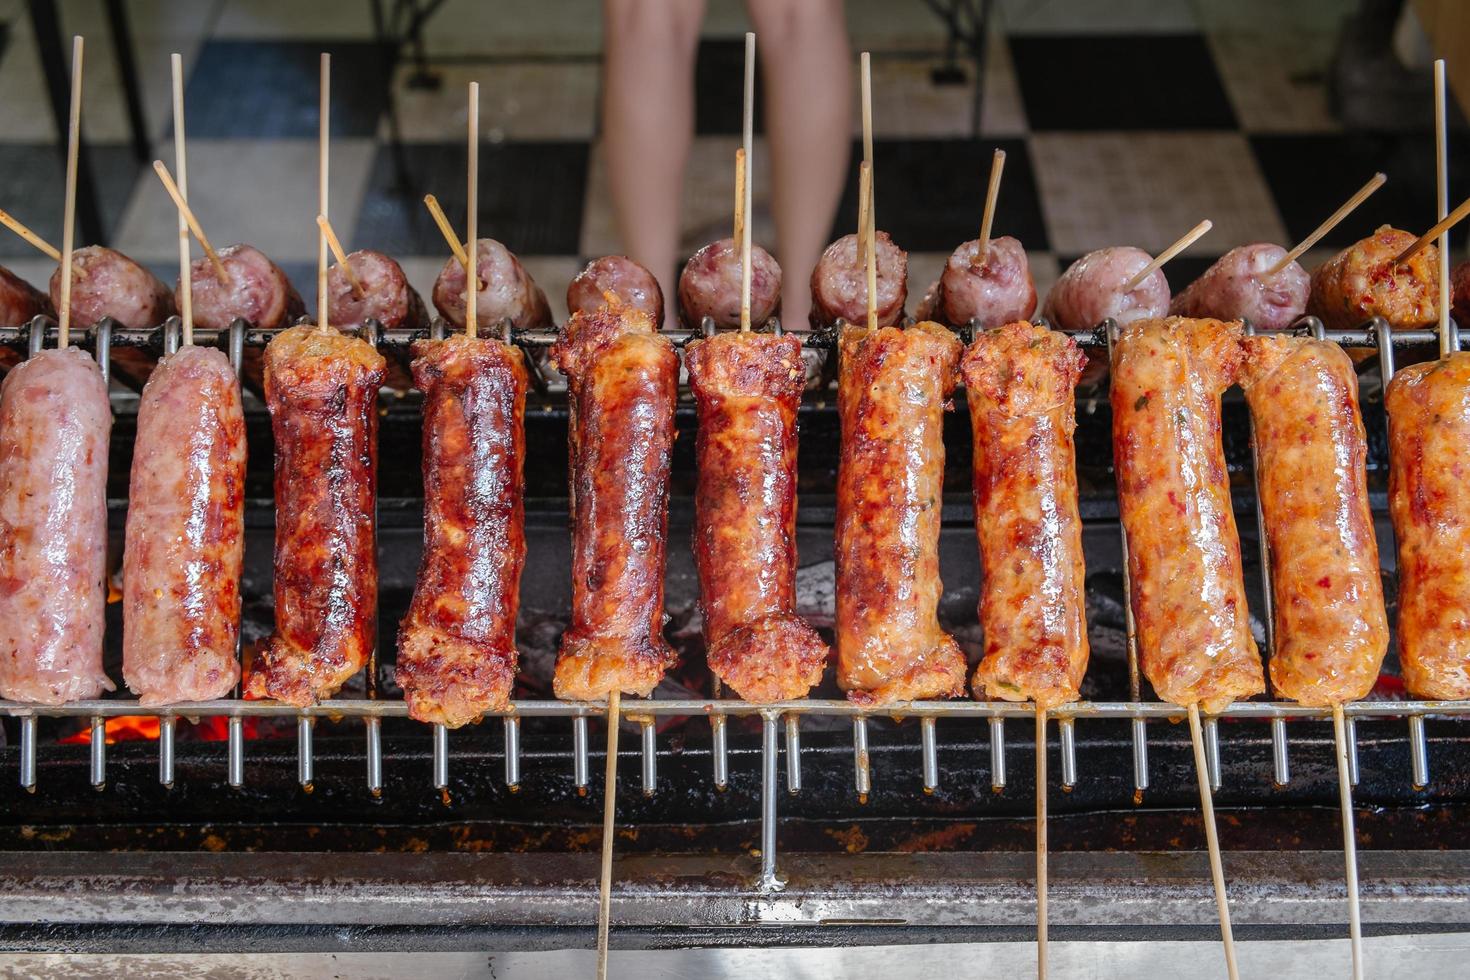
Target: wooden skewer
point(997, 165)
point(866, 88)
point(335, 244)
point(68, 231)
point(871, 252)
point(1333, 220)
point(1041, 914)
point(1190, 237)
point(1442, 200)
point(193, 223)
point(472, 219)
point(748, 145)
point(609, 805)
point(447, 230)
point(324, 146)
point(1349, 839)
point(1217, 868)
point(741, 237)
point(31, 237)
point(865, 177)
point(186, 272)
point(739, 230)
point(1440, 227)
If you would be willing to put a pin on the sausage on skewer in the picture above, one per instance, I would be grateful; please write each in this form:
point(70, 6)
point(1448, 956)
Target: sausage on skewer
point(386, 295)
point(747, 387)
point(634, 286)
point(840, 283)
point(106, 283)
point(1019, 381)
point(507, 291)
point(1331, 626)
point(1194, 639)
point(1364, 280)
point(1238, 287)
point(991, 293)
point(710, 286)
point(258, 291)
point(892, 389)
point(1091, 290)
point(321, 388)
point(21, 302)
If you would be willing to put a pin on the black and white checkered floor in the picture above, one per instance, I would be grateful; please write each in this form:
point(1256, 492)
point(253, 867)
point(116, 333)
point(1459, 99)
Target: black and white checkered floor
point(1125, 123)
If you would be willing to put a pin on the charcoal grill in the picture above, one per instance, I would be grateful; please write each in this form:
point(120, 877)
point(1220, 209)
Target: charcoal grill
point(897, 825)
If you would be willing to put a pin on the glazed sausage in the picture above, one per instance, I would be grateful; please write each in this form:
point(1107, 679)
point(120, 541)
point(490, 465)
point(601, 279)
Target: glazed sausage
point(1237, 288)
point(386, 295)
point(1429, 430)
point(105, 283)
point(840, 283)
point(258, 291)
point(710, 286)
point(321, 387)
point(622, 379)
point(1091, 290)
point(185, 532)
point(1364, 281)
point(1019, 381)
point(54, 426)
point(747, 387)
point(892, 389)
point(20, 302)
point(1331, 625)
point(457, 645)
point(508, 291)
point(992, 290)
point(619, 275)
point(1189, 608)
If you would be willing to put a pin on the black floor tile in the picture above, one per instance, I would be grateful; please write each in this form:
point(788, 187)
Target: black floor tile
point(931, 193)
point(531, 196)
point(34, 189)
point(719, 89)
point(1311, 175)
point(1127, 82)
point(269, 89)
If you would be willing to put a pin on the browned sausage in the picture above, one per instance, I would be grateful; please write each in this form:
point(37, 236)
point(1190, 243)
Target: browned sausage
point(1364, 281)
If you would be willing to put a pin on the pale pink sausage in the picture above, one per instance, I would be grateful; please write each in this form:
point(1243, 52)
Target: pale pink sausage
point(1237, 287)
point(507, 291)
point(619, 275)
point(994, 291)
point(258, 291)
point(1091, 290)
point(710, 286)
point(105, 283)
point(840, 283)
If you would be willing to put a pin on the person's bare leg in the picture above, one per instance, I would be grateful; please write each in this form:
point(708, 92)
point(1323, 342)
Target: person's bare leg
point(806, 65)
point(648, 124)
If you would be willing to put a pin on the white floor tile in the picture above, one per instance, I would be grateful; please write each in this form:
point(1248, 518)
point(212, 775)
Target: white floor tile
point(1277, 84)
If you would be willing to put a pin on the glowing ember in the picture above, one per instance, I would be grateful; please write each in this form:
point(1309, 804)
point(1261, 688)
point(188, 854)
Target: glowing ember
point(123, 728)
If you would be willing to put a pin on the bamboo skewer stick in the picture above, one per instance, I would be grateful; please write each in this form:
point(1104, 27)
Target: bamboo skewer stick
point(1333, 220)
point(866, 88)
point(324, 134)
point(1190, 237)
point(748, 146)
point(447, 230)
point(738, 232)
point(335, 244)
point(1041, 845)
point(742, 239)
point(472, 218)
point(68, 230)
point(609, 806)
point(31, 238)
point(1217, 868)
point(871, 252)
point(191, 221)
point(1440, 227)
point(186, 272)
point(997, 166)
point(1349, 839)
point(1442, 201)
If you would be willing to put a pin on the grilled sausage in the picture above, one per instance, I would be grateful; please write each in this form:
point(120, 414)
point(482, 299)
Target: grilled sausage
point(993, 290)
point(1194, 638)
point(1429, 430)
point(1331, 625)
point(1237, 288)
point(258, 291)
point(507, 291)
point(892, 389)
point(54, 426)
point(457, 645)
point(20, 302)
point(1091, 290)
point(105, 283)
point(1019, 381)
point(710, 285)
point(321, 387)
point(747, 387)
point(1364, 281)
point(386, 295)
point(185, 532)
point(840, 283)
point(622, 379)
point(1460, 294)
point(633, 285)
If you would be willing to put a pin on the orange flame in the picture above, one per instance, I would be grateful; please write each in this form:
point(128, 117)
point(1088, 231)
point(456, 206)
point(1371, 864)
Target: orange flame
point(123, 728)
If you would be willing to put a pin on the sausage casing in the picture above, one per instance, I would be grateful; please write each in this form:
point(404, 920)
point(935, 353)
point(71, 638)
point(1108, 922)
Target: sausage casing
point(1188, 590)
point(185, 532)
point(747, 387)
point(892, 389)
point(1429, 430)
point(623, 381)
point(1019, 381)
point(456, 647)
point(1366, 280)
point(1331, 626)
point(321, 387)
point(54, 425)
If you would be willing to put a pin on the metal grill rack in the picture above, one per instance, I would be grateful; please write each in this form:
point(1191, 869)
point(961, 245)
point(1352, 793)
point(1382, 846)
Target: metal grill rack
point(775, 718)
